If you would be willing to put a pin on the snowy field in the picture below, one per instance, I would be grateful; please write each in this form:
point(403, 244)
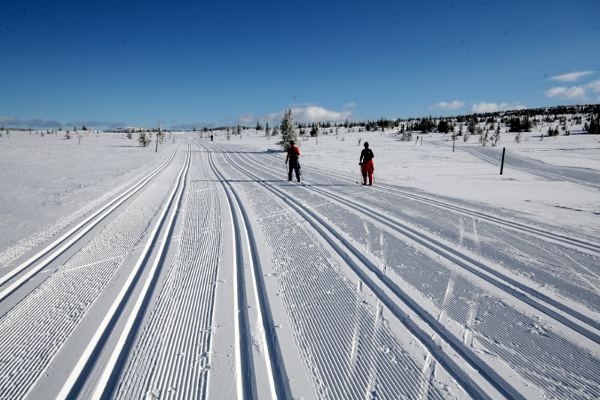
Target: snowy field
point(200, 271)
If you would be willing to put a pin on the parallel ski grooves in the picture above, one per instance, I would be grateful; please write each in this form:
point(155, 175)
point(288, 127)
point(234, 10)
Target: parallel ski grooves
point(530, 357)
point(78, 375)
point(60, 245)
point(499, 279)
point(518, 226)
point(275, 365)
point(319, 299)
point(36, 328)
point(468, 355)
point(178, 333)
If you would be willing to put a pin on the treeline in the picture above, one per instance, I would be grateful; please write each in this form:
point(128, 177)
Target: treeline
point(516, 121)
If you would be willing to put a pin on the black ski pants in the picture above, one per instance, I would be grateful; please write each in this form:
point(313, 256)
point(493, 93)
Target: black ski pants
point(293, 166)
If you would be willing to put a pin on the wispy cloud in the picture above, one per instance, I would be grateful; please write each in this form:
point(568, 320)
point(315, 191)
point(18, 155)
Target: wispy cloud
point(37, 123)
point(448, 105)
point(44, 123)
point(561, 92)
point(483, 107)
point(97, 124)
point(7, 120)
point(594, 86)
point(571, 76)
point(247, 118)
point(188, 126)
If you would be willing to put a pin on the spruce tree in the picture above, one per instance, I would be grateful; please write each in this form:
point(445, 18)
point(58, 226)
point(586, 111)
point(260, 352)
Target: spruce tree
point(287, 129)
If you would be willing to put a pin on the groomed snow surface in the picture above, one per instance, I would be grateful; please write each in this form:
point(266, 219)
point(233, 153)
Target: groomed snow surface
point(199, 271)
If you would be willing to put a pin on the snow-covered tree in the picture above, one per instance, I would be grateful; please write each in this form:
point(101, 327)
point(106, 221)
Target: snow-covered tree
point(144, 139)
point(267, 130)
point(484, 138)
point(287, 129)
point(314, 131)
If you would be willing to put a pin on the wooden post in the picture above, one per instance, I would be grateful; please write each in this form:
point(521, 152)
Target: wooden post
point(453, 143)
point(502, 163)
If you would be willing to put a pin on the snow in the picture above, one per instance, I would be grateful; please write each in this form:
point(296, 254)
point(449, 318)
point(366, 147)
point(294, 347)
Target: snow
point(445, 280)
point(434, 168)
point(49, 182)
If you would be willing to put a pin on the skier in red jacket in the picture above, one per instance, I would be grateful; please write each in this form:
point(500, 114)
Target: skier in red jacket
point(366, 164)
point(293, 154)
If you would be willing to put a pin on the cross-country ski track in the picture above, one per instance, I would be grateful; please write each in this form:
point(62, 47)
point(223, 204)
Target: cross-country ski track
point(212, 276)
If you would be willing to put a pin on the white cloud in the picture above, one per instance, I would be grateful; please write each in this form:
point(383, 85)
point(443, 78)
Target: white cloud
point(483, 107)
point(272, 117)
point(309, 113)
point(318, 114)
point(594, 86)
point(448, 105)
point(571, 76)
point(349, 105)
point(562, 92)
point(247, 118)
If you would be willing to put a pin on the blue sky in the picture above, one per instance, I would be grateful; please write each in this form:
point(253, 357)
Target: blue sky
point(198, 63)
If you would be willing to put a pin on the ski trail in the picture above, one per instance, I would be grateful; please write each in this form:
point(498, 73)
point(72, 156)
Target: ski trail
point(79, 373)
point(547, 233)
point(490, 321)
point(323, 309)
point(36, 328)
point(177, 333)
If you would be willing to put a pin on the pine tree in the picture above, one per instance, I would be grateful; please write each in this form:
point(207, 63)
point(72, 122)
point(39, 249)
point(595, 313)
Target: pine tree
point(259, 127)
point(472, 126)
point(144, 139)
point(287, 129)
point(267, 129)
point(443, 126)
point(314, 132)
point(593, 128)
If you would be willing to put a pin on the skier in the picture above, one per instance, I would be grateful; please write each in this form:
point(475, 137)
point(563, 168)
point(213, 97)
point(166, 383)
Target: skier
point(293, 154)
point(211, 137)
point(366, 164)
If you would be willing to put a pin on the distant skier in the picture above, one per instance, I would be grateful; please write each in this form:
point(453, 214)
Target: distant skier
point(211, 137)
point(293, 154)
point(366, 164)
